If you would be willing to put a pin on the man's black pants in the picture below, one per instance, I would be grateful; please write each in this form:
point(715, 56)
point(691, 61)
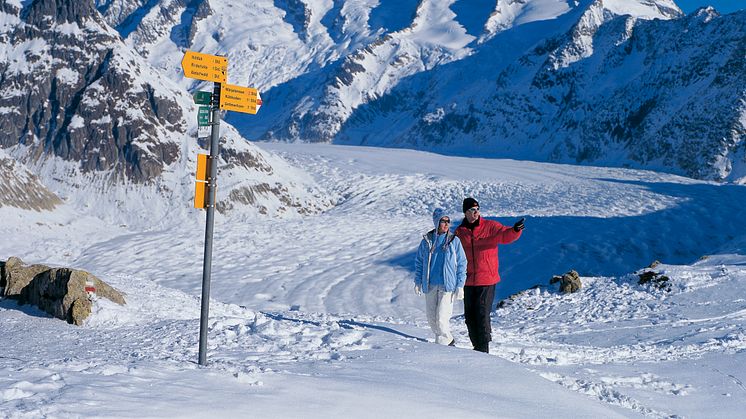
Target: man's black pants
point(477, 308)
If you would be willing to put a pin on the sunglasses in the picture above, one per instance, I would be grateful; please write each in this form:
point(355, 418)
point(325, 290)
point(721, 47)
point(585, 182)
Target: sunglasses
point(473, 210)
point(444, 221)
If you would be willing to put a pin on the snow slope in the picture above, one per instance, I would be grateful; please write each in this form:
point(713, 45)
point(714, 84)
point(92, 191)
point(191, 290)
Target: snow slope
point(316, 316)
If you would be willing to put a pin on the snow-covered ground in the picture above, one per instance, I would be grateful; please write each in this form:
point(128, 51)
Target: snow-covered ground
point(316, 317)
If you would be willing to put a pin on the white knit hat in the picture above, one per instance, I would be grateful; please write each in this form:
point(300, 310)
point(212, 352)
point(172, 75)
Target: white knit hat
point(438, 213)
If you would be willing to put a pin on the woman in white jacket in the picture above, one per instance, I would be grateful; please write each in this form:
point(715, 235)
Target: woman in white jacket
point(440, 273)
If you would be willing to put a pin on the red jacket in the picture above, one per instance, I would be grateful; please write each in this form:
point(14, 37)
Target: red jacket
point(480, 246)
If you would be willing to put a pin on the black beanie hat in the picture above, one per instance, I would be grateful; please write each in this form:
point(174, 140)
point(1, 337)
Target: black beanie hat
point(469, 203)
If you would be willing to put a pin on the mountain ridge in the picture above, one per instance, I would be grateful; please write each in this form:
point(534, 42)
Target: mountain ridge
point(91, 116)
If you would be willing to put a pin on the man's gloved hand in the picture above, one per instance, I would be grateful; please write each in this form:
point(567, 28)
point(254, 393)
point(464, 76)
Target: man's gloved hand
point(518, 226)
point(460, 293)
point(417, 289)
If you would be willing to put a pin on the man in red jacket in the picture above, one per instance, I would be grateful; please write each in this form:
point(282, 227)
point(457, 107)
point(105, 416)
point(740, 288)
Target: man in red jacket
point(480, 238)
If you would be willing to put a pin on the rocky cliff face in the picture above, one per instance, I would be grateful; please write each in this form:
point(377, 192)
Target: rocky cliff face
point(87, 113)
point(75, 91)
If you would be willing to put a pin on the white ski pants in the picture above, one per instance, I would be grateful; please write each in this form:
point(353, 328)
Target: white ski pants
point(439, 307)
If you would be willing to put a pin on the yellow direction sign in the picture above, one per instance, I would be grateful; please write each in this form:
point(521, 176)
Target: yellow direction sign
point(239, 99)
point(203, 167)
point(205, 67)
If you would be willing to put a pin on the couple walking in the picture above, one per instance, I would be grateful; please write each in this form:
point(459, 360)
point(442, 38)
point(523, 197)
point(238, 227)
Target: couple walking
point(459, 266)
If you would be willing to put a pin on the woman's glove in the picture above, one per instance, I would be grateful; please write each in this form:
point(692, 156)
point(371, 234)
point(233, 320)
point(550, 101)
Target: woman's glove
point(519, 225)
point(460, 293)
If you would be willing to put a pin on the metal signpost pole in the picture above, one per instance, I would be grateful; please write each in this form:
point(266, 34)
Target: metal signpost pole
point(224, 97)
point(211, 200)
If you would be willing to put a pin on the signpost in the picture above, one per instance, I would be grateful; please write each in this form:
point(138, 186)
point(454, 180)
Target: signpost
point(202, 179)
point(203, 116)
point(202, 98)
point(205, 67)
point(226, 97)
point(240, 99)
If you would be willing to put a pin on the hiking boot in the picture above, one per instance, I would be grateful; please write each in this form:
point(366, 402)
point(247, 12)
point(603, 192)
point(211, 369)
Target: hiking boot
point(483, 347)
point(453, 342)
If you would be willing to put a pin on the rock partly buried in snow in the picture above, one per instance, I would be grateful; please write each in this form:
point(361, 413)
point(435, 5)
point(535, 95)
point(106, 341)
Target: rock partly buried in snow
point(60, 292)
point(569, 282)
point(650, 276)
point(657, 279)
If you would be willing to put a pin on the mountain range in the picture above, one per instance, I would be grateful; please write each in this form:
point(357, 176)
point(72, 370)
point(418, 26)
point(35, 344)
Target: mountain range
point(632, 83)
point(94, 96)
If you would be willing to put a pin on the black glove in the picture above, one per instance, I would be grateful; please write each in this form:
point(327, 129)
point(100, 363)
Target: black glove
point(518, 226)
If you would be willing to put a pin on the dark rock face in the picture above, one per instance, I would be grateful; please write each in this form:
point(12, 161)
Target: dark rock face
point(71, 89)
point(176, 19)
point(76, 92)
point(44, 14)
point(60, 292)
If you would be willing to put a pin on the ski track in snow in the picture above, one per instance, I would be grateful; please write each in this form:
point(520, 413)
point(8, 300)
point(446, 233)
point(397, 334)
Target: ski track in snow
point(289, 292)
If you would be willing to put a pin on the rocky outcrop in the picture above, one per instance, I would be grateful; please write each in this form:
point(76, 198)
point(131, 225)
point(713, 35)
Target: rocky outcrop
point(62, 292)
point(569, 282)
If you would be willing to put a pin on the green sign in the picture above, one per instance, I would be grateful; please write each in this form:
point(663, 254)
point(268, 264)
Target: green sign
point(203, 116)
point(202, 98)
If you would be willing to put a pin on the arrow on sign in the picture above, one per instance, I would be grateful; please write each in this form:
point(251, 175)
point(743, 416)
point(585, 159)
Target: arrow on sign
point(205, 67)
point(239, 99)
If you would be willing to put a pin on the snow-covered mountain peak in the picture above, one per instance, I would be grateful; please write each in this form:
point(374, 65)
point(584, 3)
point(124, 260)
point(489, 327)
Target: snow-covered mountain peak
point(705, 14)
point(643, 9)
point(508, 13)
point(597, 13)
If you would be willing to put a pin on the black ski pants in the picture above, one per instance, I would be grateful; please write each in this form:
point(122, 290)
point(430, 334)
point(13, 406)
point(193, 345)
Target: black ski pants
point(477, 308)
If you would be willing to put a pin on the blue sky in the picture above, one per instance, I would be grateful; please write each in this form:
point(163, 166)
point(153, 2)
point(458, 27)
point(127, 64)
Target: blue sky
point(722, 6)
